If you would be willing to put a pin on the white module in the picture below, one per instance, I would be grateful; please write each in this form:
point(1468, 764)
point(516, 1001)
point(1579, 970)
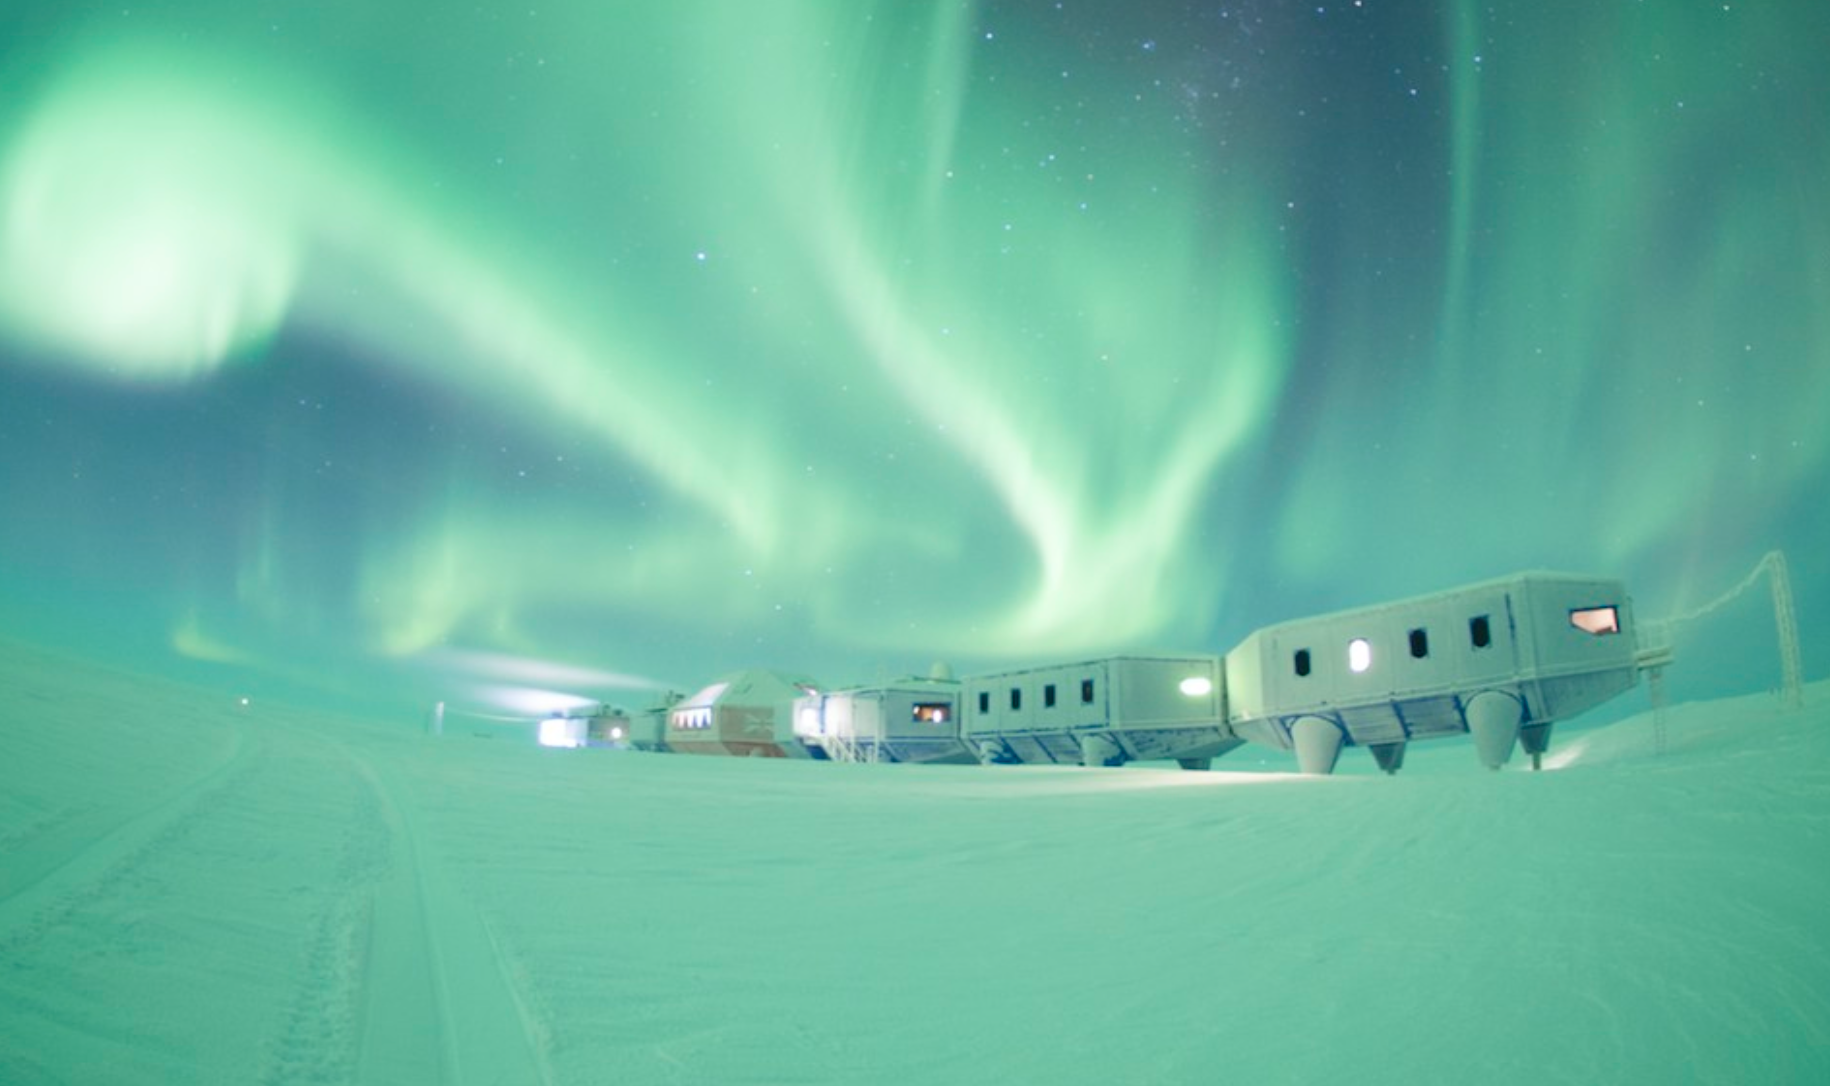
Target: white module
point(1501, 660)
point(1100, 712)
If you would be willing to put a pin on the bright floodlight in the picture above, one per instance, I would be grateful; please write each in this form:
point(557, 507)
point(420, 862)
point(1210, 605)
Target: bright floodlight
point(1196, 686)
point(1359, 655)
point(559, 731)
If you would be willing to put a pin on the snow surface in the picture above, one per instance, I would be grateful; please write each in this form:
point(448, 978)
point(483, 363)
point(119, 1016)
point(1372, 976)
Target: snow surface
point(196, 891)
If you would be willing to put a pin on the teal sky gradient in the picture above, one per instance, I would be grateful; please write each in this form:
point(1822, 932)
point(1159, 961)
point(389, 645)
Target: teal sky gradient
point(668, 338)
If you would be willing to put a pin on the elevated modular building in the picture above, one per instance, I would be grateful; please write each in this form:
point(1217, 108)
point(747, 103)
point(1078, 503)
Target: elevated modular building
point(909, 720)
point(647, 728)
point(750, 713)
point(1100, 712)
point(605, 725)
point(608, 726)
point(1501, 660)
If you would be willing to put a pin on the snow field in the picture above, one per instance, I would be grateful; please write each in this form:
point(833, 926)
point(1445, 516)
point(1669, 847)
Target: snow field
point(195, 891)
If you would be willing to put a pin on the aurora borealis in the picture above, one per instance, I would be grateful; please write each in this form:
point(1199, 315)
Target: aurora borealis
point(661, 339)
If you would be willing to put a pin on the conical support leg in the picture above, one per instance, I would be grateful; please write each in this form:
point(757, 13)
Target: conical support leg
point(1318, 745)
point(1389, 756)
point(1493, 721)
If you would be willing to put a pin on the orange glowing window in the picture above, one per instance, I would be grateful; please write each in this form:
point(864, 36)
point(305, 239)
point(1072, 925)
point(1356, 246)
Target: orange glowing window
point(1596, 620)
point(932, 712)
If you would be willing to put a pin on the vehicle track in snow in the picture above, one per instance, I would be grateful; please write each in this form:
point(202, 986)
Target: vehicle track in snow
point(441, 1002)
point(319, 1037)
point(257, 878)
point(91, 854)
point(231, 905)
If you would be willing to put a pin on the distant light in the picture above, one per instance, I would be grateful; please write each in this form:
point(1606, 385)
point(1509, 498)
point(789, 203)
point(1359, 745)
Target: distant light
point(244, 703)
point(560, 731)
point(616, 733)
point(1196, 686)
point(1359, 655)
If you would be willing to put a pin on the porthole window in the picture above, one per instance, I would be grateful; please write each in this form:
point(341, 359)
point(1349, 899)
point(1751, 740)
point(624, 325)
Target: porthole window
point(1420, 643)
point(1086, 691)
point(1302, 662)
point(1480, 631)
point(1016, 698)
point(984, 701)
point(1048, 696)
point(1359, 655)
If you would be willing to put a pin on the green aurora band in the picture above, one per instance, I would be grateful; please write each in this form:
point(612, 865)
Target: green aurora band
point(854, 336)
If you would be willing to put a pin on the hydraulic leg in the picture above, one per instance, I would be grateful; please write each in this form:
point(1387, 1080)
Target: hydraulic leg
point(1318, 745)
point(1493, 720)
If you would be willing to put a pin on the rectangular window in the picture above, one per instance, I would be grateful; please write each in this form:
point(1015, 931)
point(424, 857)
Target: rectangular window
point(1048, 696)
point(931, 712)
point(984, 701)
point(1016, 697)
point(1596, 620)
point(1302, 662)
point(1086, 691)
point(1420, 643)
point(1480, 631)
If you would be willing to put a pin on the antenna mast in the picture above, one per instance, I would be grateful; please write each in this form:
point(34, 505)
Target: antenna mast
point(1785, 619)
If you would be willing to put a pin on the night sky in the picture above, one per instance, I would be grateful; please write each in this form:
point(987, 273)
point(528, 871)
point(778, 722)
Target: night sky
point(387, 350)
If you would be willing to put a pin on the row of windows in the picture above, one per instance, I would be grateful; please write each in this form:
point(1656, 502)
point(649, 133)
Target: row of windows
point(693, 719)
point(1359, 650)
point(1599, 621)
point(1048, 696)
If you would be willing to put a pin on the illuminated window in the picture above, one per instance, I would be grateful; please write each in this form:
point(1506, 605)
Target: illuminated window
point(1596, 620)
point(1420, 643)
point(931, 712)
point(1048, 696)
point(1480, 631)
point(1196, 686)
point(1302, 662)
point(1086, 691)
point(1359, 655)
point(1016, 697)
point(984, 701)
